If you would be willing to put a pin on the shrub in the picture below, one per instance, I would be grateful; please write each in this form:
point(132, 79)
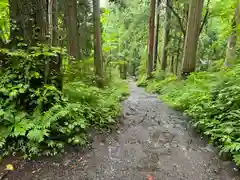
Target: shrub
point(142, 81)
point(156, 85)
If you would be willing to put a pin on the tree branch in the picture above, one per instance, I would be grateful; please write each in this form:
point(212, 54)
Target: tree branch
point(204, 22)
point(178, 18)
point(205, 18)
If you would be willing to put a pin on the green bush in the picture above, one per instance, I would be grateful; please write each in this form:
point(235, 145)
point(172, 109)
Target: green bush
point(142, 81)
point(157, 77)
point(156, 85)
point(104, 103)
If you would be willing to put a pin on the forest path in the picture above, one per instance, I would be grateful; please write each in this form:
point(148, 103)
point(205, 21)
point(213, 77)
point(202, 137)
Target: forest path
point(153, 142)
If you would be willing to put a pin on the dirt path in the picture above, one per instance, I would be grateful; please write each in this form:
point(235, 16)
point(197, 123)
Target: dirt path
point(153, 142)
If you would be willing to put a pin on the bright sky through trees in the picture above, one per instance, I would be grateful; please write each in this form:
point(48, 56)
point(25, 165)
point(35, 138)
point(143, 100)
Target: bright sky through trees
point(103, 3)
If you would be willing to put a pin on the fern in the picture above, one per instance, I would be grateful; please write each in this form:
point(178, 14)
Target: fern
point(231, 147)
point(37, 134)
point(236, 158)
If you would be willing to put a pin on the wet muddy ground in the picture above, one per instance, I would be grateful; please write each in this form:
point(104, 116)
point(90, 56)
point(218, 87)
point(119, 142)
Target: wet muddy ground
point(153, 142)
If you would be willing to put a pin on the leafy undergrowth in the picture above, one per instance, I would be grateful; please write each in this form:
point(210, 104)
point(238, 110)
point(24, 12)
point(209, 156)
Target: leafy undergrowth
point(38, 119)
point(157, 83)
point(212, 100)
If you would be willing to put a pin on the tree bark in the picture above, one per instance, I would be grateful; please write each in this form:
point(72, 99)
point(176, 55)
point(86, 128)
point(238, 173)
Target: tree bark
point(50, 20)
point(72, 28)
point(15, 20)
point(123, 70)
point(156, 35)
point(56, 62)
point(40, 14)
point(28, 21)
point(186, 14)
point(166, 36)
point(32, 21)
point(151, 38)
point(172, 64)
point(55, 23)
point(21, 25)
point(178, 55)
point(98, 61)
point(63, 34)
point(232, 41)
point(231, 47)
point(192, 34)
point(237, 17)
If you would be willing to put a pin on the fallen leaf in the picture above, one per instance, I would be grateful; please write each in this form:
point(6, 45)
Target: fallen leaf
point(150, 177)
point(9, 167)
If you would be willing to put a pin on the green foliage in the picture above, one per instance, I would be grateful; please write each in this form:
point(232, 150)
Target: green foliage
point(159, 81)
point(39, 119)
point(212, 43)
point(104, 103)
point(142, 82)
point(120, 41)
point(4, 20)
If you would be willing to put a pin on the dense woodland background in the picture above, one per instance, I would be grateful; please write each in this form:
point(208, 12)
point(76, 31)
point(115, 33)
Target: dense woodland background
point(63, 65)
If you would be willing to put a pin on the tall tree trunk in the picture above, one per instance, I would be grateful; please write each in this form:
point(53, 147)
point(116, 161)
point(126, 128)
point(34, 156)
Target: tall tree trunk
point(185, 23)
point(185, 13)
point(15, 20)
point(72, 28)
point(231, 50)
point(56, 62)
point(156, 34)
point(192, 34)
point(63, 35)
point(40, 14)
point(21, 20)
point(123, 70)
point(98, 61)
point(55, 23)
point(50, 20)
point(151, 38)
point(237, 18)
point(178, 55)
point(166, 36)
point(172, 64)
point(232, 41)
